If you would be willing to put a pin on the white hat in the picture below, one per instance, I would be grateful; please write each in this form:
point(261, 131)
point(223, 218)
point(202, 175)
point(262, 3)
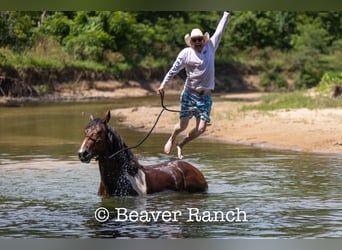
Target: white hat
point(196, 33)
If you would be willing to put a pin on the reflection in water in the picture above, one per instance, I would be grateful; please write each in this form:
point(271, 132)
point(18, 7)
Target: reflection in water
point(46, 192)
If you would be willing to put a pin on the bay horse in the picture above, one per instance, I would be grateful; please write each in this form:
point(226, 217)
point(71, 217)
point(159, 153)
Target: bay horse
point(120, 172)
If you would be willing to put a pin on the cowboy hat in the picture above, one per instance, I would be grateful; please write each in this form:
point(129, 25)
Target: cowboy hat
point(196, 33)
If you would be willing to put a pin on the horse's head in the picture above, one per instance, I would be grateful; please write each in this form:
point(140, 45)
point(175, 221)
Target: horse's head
point(94, 143)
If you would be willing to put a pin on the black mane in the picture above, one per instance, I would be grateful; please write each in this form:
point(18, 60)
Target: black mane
point(129, 163)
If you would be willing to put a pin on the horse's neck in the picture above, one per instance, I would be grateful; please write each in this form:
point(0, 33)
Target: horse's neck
point(125, 159)
point(114, 180)
point(115, 168)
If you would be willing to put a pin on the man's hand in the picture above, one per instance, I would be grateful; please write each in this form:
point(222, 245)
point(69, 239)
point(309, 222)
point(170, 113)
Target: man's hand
point(160, 90)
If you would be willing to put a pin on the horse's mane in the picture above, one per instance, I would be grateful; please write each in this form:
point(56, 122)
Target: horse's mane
point(129, 159)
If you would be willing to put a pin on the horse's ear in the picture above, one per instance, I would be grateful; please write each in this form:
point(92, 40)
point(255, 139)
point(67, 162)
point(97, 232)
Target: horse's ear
point(91, 117)
point(107, 117)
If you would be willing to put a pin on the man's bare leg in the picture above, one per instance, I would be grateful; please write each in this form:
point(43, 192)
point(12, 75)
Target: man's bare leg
point(200, 128)
point(179, 127)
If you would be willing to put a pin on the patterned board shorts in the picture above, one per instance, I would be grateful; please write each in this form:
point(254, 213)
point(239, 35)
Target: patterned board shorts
point(199, 104)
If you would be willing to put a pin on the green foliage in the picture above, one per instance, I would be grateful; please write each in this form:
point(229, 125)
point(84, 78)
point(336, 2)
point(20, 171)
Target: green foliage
point(8, 57)
point(310, 35)
point(45, 47)
point(309, 68)
point(279, 46)
point(56, 25)
point(89, 45)
point(329, 81)
point(293, 100)
point(310, 42)
point(272, 76)
point(273, 79)
point(265, 29)
point(16, 29)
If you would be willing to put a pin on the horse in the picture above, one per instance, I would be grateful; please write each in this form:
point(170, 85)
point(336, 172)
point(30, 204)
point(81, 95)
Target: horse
point(121, 174)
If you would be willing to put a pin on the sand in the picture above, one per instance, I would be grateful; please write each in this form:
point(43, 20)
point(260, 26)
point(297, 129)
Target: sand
point(316, 131)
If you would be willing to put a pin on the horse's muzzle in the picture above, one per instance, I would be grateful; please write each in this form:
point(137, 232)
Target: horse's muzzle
point(84, 156)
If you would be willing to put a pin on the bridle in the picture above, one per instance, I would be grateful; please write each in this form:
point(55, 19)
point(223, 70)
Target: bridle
point(91, 132)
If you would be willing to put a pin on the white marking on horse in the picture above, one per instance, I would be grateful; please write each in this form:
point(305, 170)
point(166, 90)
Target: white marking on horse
point(139, 182)
point(83, 146)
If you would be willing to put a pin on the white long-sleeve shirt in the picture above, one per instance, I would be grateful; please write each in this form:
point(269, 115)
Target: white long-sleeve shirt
point(199, 66)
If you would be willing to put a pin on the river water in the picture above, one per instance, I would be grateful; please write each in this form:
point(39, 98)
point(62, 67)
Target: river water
point(46, 192)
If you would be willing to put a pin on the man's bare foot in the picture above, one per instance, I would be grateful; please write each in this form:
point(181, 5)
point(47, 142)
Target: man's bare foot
point(168, 146)
point(180, 152)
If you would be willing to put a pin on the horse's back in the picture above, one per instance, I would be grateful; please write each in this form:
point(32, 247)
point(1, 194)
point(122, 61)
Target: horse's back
point(195, 180)
point(176, 175)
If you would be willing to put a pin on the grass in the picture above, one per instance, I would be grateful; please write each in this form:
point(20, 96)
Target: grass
point(46, 55)
point(294, 100)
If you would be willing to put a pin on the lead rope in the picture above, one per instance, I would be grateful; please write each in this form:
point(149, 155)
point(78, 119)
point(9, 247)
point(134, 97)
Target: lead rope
point(154, 125)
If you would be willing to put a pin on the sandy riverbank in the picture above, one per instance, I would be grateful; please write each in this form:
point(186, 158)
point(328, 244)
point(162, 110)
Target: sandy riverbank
point(318, 131)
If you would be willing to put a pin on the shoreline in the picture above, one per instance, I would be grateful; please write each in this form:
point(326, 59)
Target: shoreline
point(301, 130)
point(66, 96)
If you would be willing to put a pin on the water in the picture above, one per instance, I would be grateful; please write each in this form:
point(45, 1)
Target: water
point(45, 192)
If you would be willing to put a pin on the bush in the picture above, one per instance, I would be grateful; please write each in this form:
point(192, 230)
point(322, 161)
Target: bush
point(309, 66)
point(272, 77)
point(328, 82)
point(88, 45)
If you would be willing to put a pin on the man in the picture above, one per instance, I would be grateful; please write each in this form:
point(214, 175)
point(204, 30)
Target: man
point(198, 60)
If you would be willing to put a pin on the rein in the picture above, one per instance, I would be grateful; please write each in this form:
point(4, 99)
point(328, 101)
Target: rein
point(154, 125)
point(171, 110)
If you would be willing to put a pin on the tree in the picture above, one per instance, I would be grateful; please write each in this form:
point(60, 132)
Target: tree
point(310, 35)
point(15, 28)
point(57, 25)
